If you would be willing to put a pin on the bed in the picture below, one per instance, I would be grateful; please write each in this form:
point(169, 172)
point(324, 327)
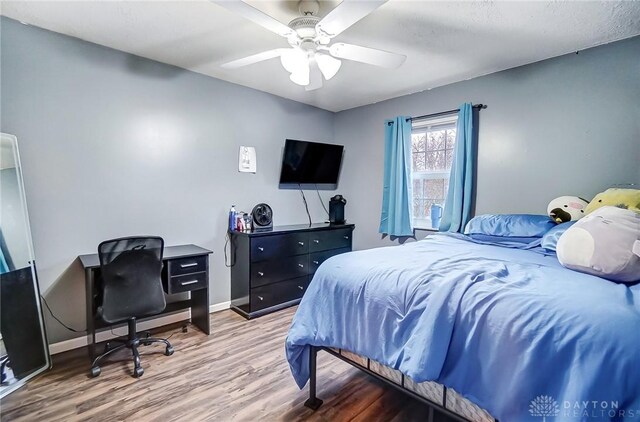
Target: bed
point(479, 330)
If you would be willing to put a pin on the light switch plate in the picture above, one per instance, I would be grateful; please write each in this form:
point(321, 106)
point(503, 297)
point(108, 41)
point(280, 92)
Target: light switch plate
point(247, 160)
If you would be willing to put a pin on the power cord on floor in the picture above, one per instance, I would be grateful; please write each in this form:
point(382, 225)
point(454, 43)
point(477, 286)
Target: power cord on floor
point(321, 201)
point(306, 206)
point(58, 319)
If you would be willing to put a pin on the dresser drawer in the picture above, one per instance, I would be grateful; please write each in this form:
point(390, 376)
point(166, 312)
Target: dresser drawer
point(194, 264)
point(329, 239)
point(276, 246)
point(187, 282)
point(267, 272)
point(277, 293)
point(317, 258)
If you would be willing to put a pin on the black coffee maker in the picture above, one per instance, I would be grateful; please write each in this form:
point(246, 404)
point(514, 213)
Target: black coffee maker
point(336, 209)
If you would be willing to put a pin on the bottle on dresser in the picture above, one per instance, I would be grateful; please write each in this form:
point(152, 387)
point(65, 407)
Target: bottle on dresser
point(232, 218)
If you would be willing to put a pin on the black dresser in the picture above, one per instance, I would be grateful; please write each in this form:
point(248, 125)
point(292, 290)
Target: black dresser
point(272, 269)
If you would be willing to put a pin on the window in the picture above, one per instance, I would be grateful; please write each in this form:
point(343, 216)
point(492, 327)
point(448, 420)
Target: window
point(432, 143)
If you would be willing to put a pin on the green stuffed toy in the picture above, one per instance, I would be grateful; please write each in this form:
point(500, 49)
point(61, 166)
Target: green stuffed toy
point(628, 199)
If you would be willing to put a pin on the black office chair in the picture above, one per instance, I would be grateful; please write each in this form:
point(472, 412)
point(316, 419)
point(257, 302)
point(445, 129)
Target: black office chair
point(131, 288)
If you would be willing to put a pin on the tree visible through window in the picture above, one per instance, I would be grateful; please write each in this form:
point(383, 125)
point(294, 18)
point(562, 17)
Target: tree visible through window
point(432, 144)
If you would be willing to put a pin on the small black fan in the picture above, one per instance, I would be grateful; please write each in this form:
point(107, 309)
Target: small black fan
point(262, 217)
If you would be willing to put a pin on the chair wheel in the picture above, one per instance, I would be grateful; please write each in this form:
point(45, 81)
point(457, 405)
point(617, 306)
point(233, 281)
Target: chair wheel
point(95, 371)
point(138, 372)
point(168, 351)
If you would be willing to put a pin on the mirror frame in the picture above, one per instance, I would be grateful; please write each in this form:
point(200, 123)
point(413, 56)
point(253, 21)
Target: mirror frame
point(19, 383)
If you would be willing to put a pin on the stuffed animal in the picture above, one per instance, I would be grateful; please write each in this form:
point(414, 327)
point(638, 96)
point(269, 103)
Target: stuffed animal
point(566, 208)
point(628, 199)
point(605, 243)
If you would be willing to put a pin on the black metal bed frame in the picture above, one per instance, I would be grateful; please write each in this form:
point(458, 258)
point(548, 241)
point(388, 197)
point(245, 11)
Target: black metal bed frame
point(313, 402)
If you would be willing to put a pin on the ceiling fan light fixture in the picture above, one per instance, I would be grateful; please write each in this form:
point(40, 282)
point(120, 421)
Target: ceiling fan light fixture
point(294, 60)
point(300, 78)
point(328, 65)
point(300, 75)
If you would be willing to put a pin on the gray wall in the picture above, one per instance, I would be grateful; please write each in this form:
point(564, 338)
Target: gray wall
point(564, 126)
point(112, 145)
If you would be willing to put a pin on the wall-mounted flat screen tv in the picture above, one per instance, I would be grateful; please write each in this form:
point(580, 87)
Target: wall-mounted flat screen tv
point(310, 163)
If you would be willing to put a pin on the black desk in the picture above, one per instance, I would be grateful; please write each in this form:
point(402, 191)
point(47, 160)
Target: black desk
point(186, 269)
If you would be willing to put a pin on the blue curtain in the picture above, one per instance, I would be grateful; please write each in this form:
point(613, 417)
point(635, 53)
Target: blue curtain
point(397, 194)
point(459, 203)
point(4, 266)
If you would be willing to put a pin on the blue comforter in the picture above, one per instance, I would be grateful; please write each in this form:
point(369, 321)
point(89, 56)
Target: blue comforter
point(501, 326)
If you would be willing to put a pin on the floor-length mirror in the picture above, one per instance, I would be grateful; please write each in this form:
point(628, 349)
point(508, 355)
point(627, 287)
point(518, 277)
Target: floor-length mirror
point(24, 351)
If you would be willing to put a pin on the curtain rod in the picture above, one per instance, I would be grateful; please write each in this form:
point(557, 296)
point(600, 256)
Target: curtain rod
point(442, 113)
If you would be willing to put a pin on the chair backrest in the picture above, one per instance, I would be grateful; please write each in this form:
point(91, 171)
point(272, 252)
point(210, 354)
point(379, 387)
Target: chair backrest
point(131, 269)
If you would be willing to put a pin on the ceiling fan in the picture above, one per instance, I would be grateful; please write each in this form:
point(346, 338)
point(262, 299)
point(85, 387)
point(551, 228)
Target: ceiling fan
point(311, 55)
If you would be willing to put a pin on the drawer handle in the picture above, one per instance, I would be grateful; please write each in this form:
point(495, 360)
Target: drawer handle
point(301, 265)
point(346, 237)
point(260, 248)
point(260, 297)
point(301, 243)
point(316, 262)
point(186, 283)
point(316, 241)
point(300, 287)
point(260, 273)
point(191, 264)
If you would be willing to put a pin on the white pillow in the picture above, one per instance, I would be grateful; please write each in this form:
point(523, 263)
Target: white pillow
point(605, 243)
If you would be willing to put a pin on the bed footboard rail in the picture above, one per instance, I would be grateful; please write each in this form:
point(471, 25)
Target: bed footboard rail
point(401, 383)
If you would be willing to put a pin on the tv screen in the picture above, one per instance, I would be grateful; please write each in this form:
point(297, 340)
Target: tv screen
point(310, 163)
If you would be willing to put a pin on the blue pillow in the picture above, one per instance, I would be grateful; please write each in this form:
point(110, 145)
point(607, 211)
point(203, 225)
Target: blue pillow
point(510, 225)
point(550, 239)
point(498, 239)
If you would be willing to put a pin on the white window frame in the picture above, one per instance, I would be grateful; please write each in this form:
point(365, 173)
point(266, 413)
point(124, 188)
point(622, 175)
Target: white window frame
point(424, 125)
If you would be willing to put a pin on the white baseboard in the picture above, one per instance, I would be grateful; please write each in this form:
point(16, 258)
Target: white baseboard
point(77, 342)
point(216, 307)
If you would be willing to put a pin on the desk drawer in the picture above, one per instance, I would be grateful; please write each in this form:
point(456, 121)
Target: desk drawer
point(277, 293)
point(267, 272)
point(190, 265)
point(317, 258)
point(276, 246)
point(323, 240)
point(188, 282)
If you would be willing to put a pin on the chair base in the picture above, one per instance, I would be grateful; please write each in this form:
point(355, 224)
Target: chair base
point(132, 342)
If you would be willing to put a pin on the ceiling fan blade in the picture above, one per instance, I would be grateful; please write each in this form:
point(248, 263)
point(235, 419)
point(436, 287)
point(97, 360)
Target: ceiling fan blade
point(367, 55)
point(256, 16)
point(346, 14)
point(255, 58)
point(315, 76)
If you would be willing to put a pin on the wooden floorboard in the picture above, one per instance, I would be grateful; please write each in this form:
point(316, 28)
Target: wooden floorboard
point(238, 373)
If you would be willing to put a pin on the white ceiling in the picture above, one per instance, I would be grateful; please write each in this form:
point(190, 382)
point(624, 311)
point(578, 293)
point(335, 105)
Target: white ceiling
point(444, 41)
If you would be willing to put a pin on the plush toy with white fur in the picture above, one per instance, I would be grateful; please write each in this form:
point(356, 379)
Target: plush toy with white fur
point(567, 208)
point(605, 243)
